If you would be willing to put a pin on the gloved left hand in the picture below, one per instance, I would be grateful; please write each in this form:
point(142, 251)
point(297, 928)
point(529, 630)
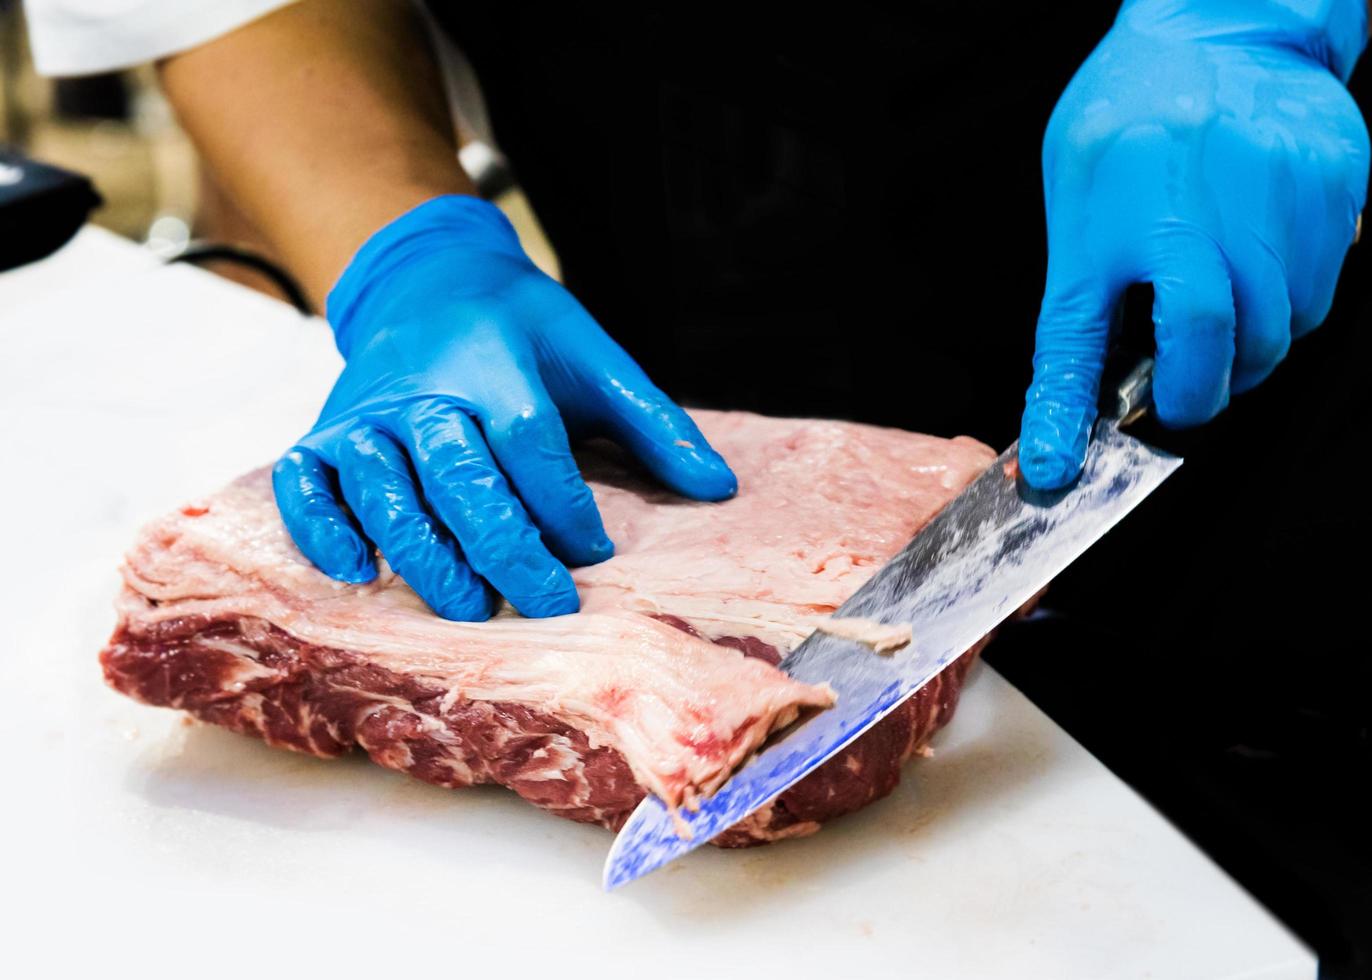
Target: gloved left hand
point(447, 432)
point(1207, 147)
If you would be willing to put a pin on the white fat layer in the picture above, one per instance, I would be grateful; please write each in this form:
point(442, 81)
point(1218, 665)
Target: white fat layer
point(881, 637)
point(682, 711)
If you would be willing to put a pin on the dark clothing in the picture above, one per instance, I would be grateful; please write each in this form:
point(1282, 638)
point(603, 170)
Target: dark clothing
point(785, 215)
point(843, 217)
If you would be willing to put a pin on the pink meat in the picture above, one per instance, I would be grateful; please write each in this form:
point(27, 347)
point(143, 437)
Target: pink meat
point(665, 681)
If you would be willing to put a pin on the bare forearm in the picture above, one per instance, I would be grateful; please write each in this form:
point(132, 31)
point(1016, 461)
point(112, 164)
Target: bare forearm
point(322, 122)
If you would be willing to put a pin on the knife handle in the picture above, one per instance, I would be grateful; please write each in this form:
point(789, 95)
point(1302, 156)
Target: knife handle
point(1132, 395)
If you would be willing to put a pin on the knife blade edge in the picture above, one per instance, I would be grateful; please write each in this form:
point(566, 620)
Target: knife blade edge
point(1119, 472)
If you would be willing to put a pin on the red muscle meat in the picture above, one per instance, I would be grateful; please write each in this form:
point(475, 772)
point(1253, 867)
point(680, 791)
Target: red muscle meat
point(664, 681)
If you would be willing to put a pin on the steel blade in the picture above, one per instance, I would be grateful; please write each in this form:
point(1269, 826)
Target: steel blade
point(981, 558)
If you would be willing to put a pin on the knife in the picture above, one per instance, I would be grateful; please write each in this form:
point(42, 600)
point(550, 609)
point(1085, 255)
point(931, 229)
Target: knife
point(981, 558)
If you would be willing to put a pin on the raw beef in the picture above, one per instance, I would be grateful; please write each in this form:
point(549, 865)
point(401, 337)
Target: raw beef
point(665, 681)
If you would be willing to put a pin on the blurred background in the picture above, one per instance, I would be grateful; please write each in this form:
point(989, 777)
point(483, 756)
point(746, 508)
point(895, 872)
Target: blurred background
point(118, 130)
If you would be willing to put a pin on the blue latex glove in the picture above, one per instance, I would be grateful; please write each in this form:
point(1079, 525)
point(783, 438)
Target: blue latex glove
point(1207, 147)
point(446, 435)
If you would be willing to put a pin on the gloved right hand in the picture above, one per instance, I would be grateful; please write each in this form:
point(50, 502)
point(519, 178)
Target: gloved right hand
point(1209, 148)
point(446, 435)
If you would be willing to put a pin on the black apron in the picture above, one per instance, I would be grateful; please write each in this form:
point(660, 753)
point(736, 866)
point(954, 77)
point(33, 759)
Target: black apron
point(843, 217)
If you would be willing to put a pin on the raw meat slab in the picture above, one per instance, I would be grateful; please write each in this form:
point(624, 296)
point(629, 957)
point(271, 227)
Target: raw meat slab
point(665, 681)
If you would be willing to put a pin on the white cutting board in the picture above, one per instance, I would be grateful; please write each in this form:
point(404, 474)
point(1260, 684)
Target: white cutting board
point(134, 844)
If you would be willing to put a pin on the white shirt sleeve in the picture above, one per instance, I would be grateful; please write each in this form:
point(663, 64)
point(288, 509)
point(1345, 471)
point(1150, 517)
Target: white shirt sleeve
point(79, 37)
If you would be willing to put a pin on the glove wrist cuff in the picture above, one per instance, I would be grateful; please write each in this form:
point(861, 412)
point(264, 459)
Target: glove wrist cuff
point(441, 223)
point(1333, 32)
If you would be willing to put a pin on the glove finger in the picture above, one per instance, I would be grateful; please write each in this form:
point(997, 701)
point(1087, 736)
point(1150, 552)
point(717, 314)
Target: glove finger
point(1310, 306)
point(468, 492)
point(1193, 326)
point(1330, 197)
point(306, 495)
point(1262, 308)
point(1069, 355)
point(639, 416)
point(526, 436)
point(376, 482)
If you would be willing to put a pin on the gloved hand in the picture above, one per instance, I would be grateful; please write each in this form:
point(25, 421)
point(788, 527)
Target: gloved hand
point(447, 432)
point(1207, 147)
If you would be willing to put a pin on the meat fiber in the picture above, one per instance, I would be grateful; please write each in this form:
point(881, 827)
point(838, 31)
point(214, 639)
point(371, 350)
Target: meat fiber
point(664, 682)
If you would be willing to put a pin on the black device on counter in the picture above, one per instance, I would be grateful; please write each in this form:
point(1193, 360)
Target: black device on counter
point(41, 208)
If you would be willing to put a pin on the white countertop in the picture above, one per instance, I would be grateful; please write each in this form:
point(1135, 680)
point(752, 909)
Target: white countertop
point(133, 844)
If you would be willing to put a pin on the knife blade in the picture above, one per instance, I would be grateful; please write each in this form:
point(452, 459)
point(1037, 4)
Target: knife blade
point(980, 559)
